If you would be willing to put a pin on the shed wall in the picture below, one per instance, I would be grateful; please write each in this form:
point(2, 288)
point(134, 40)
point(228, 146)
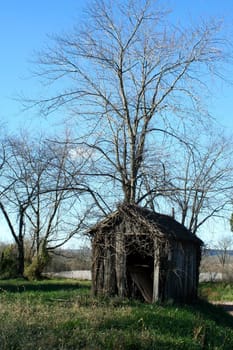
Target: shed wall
point(182, 275)
point(174, 269)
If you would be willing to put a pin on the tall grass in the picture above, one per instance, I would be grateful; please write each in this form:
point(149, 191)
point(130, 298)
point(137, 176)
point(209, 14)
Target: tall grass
point(61, 314)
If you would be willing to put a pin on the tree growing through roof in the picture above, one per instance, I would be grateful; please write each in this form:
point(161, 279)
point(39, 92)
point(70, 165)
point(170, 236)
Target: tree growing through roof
point(133, 80)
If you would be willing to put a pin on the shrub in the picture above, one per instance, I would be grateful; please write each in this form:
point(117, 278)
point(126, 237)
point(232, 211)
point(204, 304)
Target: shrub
point(37, 266)
point(9, 262)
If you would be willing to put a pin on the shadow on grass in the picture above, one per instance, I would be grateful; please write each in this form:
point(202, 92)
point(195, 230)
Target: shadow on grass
point(213, 312)
point(41, 286)
point(202, 325)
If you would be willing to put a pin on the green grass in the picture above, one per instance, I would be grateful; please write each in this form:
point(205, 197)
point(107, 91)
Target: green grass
point(220, 291)
point(61, 314)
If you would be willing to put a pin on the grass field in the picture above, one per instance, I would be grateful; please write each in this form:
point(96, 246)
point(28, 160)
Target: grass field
point(61, 314)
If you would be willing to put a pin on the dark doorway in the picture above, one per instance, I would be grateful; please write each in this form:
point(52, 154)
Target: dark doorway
point(140, 275)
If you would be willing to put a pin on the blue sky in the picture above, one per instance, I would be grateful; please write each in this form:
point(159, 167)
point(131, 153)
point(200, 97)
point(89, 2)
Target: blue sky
point(24, 29)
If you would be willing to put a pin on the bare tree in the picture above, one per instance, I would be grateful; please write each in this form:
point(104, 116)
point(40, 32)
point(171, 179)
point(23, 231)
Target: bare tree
point(15, 197)
point(53, 217)
point(130, 78)
point(222, 260)
point(38, 199)
point(223, 246)
point(200, 184)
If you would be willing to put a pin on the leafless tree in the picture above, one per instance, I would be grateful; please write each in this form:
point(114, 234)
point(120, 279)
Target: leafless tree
point(54, 216)
point(223, 246)
point(223, 251)
point(38, 199)
point(14, 197)
point(130, 77)
point(200, 184)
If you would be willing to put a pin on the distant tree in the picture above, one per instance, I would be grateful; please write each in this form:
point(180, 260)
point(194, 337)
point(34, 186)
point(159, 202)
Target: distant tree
point(223, 246)
point(70, 260)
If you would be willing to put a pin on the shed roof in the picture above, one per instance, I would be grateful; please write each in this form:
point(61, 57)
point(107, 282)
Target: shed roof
point(151, 222)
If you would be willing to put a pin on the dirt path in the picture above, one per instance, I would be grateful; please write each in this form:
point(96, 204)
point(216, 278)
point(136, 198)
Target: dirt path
point(227, 306)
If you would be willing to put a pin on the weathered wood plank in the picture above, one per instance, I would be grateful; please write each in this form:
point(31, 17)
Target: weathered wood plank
point(120, 265)
point(155, 296)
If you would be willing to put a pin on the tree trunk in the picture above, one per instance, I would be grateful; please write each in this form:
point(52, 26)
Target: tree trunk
point(20, 242)
point(20, 246)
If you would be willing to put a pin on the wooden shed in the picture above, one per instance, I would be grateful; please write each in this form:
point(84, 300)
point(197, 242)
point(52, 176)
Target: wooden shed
point(140, 253)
